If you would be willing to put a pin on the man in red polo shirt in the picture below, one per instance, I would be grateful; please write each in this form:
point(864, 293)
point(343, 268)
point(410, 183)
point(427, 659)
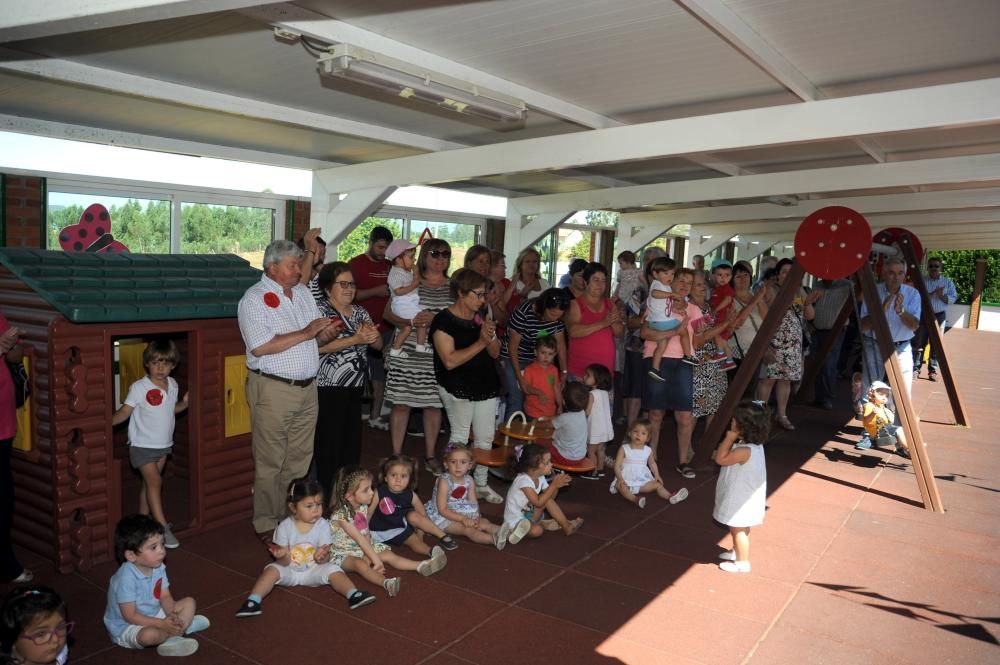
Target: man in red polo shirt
point(371, 272)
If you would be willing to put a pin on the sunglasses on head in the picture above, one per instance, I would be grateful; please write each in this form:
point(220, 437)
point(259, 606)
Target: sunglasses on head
point(440, 253)
point(553, 303)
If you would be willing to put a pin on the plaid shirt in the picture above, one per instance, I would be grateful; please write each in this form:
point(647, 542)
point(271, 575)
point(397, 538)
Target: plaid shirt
point(261, 322)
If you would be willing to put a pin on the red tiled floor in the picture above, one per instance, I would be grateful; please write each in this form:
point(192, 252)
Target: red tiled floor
point(847, 568)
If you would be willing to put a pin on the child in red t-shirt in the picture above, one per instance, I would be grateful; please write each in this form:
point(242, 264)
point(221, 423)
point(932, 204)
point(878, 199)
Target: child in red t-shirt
point(721, 303)
point(542, 389)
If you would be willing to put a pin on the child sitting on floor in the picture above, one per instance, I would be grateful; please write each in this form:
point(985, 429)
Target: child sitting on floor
point(878, 422)
point(636, 471)
point(398, 510)
point(352, 548)
point(141, 611)
point(301, 551)
point(741, 490)
point(542, 387)
point(531, 496)
point(454, 506)
point(29, 620)
point(569, 440)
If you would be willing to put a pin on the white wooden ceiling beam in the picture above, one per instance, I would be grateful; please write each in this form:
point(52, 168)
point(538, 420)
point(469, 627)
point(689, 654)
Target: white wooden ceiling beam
point(950, 105)
point(521, 232)
point(974, 169)
point(70, 132)
point(727, 24)
point(29, 19)
point(120, 82)
point(963, 198)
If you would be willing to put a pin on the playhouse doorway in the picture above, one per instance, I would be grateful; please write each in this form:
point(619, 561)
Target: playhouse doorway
point(177, 492)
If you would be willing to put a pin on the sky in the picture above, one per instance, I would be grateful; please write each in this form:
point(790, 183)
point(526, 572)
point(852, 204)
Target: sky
point(23, 152)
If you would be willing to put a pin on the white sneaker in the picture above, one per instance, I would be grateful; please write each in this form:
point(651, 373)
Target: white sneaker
point(423, 348)
point(728, 555)
point(500, 536)
point(391, 586)
point(177, 646)
point(519, 531)
point(433, 565)
point(378, 423)
point(678, 496)
point(399, 353)
point(735, 566)
point(641, 502)
point(486, 493)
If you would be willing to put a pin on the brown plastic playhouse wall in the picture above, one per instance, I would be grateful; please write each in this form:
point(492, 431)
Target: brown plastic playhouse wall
point(69, 485)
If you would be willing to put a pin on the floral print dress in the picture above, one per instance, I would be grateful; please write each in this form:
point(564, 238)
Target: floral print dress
point(710, 382)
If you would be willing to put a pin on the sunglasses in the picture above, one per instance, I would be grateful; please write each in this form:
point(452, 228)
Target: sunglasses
point(440, 253)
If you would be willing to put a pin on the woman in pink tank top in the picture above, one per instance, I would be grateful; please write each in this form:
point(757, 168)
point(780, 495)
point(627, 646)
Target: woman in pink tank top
point(593, 322)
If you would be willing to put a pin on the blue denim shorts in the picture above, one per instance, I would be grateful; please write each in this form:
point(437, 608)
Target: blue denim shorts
point(674, 394)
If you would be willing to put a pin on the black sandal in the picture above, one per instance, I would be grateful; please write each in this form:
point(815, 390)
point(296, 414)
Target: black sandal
point(448, 543)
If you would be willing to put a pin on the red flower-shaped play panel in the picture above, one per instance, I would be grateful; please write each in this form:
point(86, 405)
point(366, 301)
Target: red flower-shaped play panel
point(271, 300)
point(458, 492)
point(155, 397)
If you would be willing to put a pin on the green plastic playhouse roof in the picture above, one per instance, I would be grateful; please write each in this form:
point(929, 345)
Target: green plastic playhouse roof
point(89, 287)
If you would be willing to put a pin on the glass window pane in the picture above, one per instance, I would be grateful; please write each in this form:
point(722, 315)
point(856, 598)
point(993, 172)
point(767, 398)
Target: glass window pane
point(460, 236)
point(546, 255)
point(142, 225)
point(356, 241)
point(222, 229)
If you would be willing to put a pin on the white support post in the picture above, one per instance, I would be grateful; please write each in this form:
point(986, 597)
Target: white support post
point(519, 233)
point(337, 216)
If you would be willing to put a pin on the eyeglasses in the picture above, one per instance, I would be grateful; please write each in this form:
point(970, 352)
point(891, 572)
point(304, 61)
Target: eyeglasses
point(934, 266)
point(347, 285)
point(440, 253)
point(44, 636)
point(480, 294)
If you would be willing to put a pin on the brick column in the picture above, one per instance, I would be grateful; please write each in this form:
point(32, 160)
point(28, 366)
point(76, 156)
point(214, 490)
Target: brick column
point(23, 213)
point(296, 219)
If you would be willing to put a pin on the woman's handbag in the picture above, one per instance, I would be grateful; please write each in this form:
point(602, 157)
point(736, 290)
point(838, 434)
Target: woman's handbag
point(22, 386)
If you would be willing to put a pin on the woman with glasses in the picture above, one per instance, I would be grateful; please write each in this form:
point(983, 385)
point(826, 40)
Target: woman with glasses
point(343, 371)
point(465, 347)
point(533, 318)
point(480, 259)
point(410, 382)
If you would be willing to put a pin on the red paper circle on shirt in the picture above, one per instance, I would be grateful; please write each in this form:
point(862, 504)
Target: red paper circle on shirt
point(458, 492)
point(360, 521)
point(154, 397)
point(833, 242)
point(386, 506)
point(158, 588)
point(271, 300)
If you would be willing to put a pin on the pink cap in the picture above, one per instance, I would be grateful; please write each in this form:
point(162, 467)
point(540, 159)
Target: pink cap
point(397, 247)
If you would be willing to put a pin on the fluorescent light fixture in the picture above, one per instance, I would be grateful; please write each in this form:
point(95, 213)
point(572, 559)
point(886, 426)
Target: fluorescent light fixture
point(411, 82)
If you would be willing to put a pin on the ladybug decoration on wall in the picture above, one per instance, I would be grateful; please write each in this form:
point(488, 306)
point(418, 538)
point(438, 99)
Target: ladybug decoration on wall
point(92, 233)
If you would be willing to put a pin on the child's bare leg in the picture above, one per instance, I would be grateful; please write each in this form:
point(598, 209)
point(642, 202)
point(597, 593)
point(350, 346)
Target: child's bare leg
point(661, 491)
point(901, 439)
point(487, 526)
point(625, 492)
point(420, 521)
point(475, 535)
point(401, 335)
point(741, 542)
point(421, 335)
point(661, 346)
point(593, 457)
point(265, 583)
point(184, 610)
point(417, 544)
point(152, 481)
point(686, 345)
point(723, 346)
point(341, 583)
point(361, 566)
point(398, 562)
point(151, 637)
point(569, 527)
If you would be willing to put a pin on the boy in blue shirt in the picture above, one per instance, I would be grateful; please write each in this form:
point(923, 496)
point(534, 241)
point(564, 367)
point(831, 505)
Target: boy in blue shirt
point(141, 611)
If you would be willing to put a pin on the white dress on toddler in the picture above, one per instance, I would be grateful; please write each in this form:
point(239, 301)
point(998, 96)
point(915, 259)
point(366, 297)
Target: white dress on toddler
point(635, 469)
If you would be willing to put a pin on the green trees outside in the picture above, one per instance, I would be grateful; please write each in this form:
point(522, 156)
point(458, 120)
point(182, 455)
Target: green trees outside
point(960, 266)
point(144, 227)
point(356, 241)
